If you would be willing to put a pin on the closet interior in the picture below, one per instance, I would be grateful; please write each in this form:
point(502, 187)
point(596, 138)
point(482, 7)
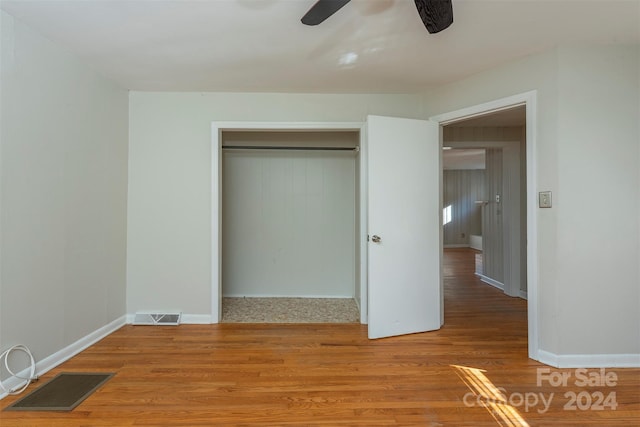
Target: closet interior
point(290, 226)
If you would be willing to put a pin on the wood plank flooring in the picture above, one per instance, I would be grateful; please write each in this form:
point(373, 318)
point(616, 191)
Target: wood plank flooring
point(332, 375)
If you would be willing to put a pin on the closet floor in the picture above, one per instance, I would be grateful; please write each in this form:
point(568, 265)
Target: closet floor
point(289, 310)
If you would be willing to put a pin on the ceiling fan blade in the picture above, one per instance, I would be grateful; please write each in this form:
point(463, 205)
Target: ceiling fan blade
point(322, 10)
point(435, 14)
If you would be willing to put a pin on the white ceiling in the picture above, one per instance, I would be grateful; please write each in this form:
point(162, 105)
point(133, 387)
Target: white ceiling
point(369, 46)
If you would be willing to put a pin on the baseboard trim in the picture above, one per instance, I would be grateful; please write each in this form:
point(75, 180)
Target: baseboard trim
point(196, 319)
point(523, 294)
point(456, 245)
point(589, 360)
point(185, 319)
point(490, 281)
point(61, 356)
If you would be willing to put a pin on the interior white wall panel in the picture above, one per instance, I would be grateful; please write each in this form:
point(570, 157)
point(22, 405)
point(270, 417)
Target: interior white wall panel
point(289, 221)
point(598, 155)
point(64, 193)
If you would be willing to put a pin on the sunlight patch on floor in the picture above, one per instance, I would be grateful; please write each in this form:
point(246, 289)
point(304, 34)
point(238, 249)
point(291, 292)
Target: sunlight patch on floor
point(486, 394)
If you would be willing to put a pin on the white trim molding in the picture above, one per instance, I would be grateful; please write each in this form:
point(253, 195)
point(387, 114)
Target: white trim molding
point(216, 179)
point(590, 360)
point(61, 356)
point(196, 319)
point(490, 281)
point(482, 109)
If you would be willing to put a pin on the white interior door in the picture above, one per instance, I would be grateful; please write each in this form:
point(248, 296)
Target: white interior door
point(404, 226)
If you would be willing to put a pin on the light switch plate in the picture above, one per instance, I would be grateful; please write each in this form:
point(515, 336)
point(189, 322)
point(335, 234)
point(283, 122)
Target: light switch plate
point(544, 199)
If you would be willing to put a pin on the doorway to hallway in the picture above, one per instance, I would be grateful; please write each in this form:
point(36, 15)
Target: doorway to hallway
point(519, 242)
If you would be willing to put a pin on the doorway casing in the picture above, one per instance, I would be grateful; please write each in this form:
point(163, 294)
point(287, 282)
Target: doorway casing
point(529, 100)
point(217, 129)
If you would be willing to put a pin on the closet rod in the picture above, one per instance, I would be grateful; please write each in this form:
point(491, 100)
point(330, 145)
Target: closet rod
point(271, 147)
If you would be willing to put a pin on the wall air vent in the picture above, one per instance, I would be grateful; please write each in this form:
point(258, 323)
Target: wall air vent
point(165, 319)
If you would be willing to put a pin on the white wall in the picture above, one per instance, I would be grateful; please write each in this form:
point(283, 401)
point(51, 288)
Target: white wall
point(598, 97)
point(289, 217)
point(587, 139)
point(63, 199)
point(169, 215)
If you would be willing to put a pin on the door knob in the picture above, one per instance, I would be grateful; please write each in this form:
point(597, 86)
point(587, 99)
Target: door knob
point(376, 239)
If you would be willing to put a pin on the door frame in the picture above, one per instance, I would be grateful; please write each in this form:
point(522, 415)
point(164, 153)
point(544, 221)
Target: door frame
point(529, 100)
point(217, 128)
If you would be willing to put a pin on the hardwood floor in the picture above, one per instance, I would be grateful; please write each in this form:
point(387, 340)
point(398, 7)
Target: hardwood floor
point(331, 374)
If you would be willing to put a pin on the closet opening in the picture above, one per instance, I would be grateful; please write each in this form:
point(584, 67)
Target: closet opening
point(290, 226)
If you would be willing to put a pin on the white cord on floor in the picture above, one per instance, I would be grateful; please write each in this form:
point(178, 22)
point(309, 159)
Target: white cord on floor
point(32, 369)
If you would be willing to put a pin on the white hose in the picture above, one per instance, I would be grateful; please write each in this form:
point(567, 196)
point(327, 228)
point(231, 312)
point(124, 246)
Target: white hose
point(32, 369)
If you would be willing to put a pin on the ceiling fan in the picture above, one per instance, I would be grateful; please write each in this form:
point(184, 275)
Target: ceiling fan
point(435, 14)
